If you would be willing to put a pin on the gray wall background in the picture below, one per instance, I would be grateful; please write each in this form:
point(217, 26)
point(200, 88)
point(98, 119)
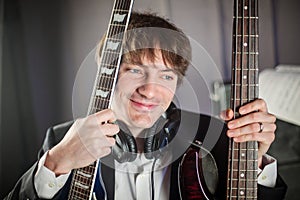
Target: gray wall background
point(58, 35)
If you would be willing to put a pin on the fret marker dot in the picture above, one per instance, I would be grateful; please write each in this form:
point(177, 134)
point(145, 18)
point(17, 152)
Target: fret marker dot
point(243, 154)
point(244, 77)
point(246, 7)
point(242, 174)
point(245, 44)
point(242, 192)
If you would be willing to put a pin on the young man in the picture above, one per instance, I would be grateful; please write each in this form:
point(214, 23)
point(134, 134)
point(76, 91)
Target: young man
point(153, 65)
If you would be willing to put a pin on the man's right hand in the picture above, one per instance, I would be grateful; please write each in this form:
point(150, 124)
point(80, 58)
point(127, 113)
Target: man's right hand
point(88, 139)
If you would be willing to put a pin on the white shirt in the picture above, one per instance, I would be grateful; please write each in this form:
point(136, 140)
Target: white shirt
point(137, 185)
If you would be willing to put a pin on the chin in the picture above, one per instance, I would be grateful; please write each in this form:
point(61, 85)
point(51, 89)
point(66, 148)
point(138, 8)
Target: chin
point(143, 122)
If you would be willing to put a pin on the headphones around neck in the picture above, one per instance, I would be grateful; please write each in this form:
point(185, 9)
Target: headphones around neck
point(125, 149)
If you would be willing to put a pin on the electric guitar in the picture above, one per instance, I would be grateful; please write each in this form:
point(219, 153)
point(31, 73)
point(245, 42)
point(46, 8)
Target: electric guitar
point(242, 157)
point(83, 179)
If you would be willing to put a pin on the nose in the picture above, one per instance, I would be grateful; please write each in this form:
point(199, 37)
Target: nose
point(148, 90)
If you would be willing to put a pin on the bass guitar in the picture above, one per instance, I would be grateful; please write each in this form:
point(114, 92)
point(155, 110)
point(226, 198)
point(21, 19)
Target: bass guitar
point(242, 157)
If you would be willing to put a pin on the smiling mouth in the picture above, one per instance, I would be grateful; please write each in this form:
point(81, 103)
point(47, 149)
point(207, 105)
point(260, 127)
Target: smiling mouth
point(140, 106)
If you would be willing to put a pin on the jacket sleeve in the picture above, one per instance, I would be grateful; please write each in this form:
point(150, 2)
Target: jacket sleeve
point(24, 188)
point(278, 192)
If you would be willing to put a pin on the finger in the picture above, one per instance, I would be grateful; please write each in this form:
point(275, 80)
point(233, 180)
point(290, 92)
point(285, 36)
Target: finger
point(251, 118)
point(264, 139)
point(105, 116)
point(257, 105)
point(111, 141)
point(251, 128)
point(109, 129)
point(226, 114)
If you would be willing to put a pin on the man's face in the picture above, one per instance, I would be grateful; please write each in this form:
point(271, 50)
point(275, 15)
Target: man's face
point(143, 92)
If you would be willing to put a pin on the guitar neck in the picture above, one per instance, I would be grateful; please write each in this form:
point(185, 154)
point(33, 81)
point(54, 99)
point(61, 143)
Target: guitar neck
point(84, 178)
point(242, 164)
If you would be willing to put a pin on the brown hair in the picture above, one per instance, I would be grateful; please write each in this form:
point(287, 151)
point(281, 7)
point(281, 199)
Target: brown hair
point(147, 33)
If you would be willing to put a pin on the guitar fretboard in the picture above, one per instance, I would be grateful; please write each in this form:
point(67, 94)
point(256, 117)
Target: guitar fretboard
point(84, 178)
point(242, 162)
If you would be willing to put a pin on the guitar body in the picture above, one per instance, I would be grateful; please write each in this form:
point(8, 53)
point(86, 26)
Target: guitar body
point(198, 174)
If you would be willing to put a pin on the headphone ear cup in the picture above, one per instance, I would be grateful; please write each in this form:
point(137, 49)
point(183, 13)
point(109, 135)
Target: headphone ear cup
point(125, 149)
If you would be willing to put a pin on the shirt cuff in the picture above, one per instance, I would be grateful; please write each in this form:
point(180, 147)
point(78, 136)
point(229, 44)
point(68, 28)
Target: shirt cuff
point(45, 181)
point(268, 175)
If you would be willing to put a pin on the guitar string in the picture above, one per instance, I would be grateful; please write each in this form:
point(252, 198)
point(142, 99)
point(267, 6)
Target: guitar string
point(233, 101)
point(249, 93)
point(256, 76)
point(241, 65)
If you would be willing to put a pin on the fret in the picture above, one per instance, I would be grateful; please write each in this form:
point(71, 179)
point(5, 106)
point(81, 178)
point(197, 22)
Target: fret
point(245, 170)
point(246, 53)
point(245, 85)
point(241, 17)
point(113, 26)
point(120, 10)
point(239, 197)
point(248, 179)
point(242, 149)
point(241, 188)
point(245, 35)
point(241, 160)
point(102, 87)
point(249, 69)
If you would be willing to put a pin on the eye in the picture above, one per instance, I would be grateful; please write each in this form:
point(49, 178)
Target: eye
point(168, 77)
point(135, 71)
